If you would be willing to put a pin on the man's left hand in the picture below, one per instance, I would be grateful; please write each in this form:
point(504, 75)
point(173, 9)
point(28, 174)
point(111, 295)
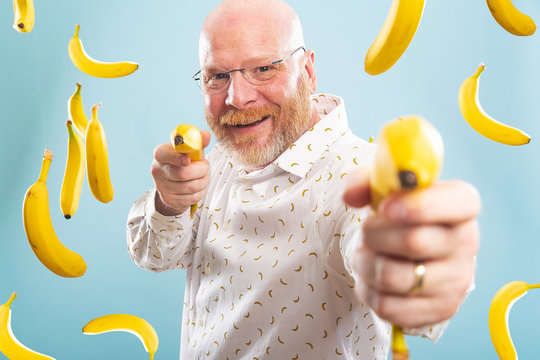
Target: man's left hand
point(435, 227)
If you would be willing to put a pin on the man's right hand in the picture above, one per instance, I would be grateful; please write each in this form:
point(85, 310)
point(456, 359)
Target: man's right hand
point(179, 181)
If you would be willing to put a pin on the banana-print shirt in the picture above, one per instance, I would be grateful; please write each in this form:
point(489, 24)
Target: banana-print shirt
point(266, 255)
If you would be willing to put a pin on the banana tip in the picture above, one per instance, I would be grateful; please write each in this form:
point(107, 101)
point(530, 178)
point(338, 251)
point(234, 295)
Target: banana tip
point(67, 216)
point(48, 154)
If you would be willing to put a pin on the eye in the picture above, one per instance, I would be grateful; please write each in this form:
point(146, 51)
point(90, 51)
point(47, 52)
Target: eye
point(220, 76)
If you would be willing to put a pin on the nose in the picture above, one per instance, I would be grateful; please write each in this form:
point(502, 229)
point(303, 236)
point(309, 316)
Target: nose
point(240, 93)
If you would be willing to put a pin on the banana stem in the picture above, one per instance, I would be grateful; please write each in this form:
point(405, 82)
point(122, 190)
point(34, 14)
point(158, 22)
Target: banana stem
point(45, 165)
point(398, 345)
point(534, 286)
point(13, 296)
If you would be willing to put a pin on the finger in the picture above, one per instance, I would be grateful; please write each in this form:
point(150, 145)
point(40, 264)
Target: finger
point(443, 202)
point(395, 276)
point(205, 138)
point(186, 187)
point(357, 191)
point(179, 174)
point(410, 312)
point(165, 154)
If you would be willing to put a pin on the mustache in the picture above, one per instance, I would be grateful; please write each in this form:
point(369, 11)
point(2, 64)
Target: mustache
point(250, 115)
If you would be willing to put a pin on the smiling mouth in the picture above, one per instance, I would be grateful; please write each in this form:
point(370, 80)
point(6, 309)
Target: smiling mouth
point(253, 123)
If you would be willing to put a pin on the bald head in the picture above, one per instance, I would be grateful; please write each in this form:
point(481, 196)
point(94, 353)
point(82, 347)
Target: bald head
point(267, 24)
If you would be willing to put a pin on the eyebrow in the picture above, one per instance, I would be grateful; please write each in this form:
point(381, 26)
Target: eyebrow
point(267, 58)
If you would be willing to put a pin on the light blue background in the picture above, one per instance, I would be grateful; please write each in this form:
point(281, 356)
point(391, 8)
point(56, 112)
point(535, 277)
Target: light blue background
point(138, 112)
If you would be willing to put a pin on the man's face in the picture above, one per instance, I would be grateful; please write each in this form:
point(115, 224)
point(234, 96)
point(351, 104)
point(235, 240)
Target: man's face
point(256, 123)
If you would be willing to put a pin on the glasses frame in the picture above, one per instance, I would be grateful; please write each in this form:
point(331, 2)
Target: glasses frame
point(198, 78)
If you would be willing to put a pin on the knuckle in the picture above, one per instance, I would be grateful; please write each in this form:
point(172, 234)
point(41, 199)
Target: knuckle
point(386, 273)
point(413, 241)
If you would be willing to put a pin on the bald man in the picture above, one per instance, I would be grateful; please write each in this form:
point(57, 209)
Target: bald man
point(283, 259)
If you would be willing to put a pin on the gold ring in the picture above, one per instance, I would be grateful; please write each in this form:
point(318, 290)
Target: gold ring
point(419, 274)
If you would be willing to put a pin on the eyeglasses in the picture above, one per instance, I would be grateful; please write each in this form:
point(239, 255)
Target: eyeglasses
point(260, 73)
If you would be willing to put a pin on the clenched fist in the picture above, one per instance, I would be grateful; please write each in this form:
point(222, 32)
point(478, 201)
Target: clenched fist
point(179, 181)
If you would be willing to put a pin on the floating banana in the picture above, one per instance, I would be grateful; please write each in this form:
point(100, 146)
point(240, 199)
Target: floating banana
point(395, 36)
point(499, 309)
point(409, 156)
point(128, 323)
point(73, 175)
point(10, 346)
point(187, 139)
point(40, 232)
point(97, 160)
point(24, 15)
point(510, 18)
point(480, 121)
point(76, 111)
point(90, 66)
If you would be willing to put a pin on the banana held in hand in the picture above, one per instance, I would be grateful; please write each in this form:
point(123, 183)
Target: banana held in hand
point(510, 18)
point(9, 345)
point(129, 323)
point(187, 139)
point(76, 111)
point(97, 160)
point(90, 66)
point(40, 232)
point(409, 156)
point(498, 317)
point(480, 121)
point(395, 36)
point(24, 15)
point(73, 175)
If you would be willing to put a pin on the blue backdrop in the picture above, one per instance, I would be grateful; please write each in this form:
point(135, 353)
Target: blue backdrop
point(139, 111)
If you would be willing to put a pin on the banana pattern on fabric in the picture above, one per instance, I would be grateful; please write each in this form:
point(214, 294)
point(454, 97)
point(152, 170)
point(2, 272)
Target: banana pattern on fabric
point(93, 67)
point(395, 36)
point(10, 346)
point(97, 160)
point(40, 232)
point(510, 18)
point(479, 120)
point(409, 156)
point(499, 310)
point(128, 323)
point(187, 139)
point(24, 15)
point(74, 174)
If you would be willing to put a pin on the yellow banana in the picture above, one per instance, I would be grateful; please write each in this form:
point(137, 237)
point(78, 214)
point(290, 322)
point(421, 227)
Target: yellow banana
point(499, 309)
point(90, 66)
point(73, 175)
point(76, 111)
point(409, 156)
point(40, 232)
point(10, 346)
point(510, 18)
point(97, 160)
point(24, 15)
point(187, 139)
point(480, 121)
point(395, 36)
point(128, 323)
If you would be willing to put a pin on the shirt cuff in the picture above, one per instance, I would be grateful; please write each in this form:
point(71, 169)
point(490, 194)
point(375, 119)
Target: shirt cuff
point(157, 221)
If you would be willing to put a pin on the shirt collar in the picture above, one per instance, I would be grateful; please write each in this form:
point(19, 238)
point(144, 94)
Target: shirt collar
point(305, 151)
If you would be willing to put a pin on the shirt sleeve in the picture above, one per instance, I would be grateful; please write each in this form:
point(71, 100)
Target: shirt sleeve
point(157, 242)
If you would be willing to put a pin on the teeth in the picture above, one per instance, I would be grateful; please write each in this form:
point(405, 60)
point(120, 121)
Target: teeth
point(253, 123)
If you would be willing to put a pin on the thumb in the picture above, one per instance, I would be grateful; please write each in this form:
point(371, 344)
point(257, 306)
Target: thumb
point(205, 138)
point(357, 191)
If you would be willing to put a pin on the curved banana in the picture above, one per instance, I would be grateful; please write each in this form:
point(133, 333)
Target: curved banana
point(24, 15)
point(9, 345)
point(97, 160)
point(499, 310)
point(40, 232)
point(510, 18)
point(128, 323)
point(187, 139)
point(76, 111)
point(480, 121)
point(73, 175)
point(395, 36)
point(409, 156)
point(90, 66)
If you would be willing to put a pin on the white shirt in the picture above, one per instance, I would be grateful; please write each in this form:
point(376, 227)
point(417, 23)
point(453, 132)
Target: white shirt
point(268, 276)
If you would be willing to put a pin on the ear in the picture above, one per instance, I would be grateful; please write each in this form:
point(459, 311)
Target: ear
point(310, 70)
